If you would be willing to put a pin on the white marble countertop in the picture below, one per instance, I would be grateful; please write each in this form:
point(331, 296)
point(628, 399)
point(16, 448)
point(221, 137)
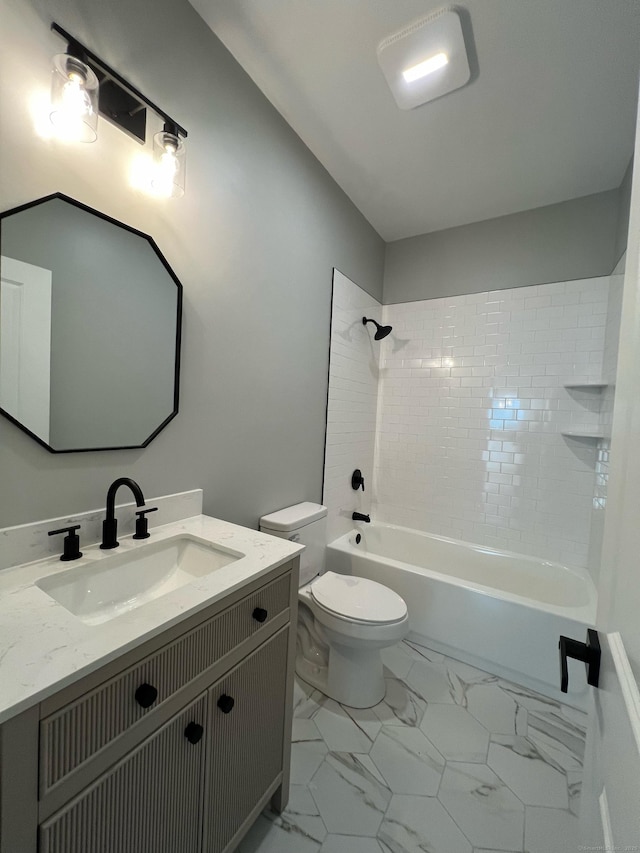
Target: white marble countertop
point(44, 647)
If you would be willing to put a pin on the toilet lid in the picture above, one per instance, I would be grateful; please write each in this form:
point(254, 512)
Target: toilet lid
point(358, 598)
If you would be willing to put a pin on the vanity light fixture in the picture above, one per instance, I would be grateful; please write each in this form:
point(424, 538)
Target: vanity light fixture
point(74, 98)
point(83, 86)
point(426, 59)
point(168, 171)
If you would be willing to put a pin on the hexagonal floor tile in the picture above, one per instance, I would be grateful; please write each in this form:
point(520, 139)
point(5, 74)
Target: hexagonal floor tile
point(339, 731)
point(349, 797)
point(401, 705)
point(349, 844)
point(416, 824)
point(482, 806)
point(455, 733)
point(308, 751)
point(496, 710)
point(550, 829)
point(299, 829)
point(408, 761)
point(527, 772)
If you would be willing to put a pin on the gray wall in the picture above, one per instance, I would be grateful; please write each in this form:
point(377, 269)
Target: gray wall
point(560, 242)
point(254, 241)
point(624, 207)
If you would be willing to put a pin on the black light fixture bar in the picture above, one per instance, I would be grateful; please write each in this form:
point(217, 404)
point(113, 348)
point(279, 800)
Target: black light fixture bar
point(121, 103)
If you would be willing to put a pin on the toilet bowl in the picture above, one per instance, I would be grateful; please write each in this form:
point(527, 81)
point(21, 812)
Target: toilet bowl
point(343, 621)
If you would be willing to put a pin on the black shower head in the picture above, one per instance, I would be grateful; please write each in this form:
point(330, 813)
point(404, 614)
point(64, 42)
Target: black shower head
point(381, 331)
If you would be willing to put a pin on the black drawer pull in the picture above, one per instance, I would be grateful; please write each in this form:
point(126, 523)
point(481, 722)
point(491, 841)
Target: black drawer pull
point(193, 732)
point(146, 695)
point(260, 614)
point(225, 703)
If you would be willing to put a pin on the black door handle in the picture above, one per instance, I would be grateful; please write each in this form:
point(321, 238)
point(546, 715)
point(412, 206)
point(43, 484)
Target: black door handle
point(260, 614)
point(588, 652)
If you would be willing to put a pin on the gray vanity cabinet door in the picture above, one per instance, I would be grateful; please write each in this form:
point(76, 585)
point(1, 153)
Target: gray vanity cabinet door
point(150, 802)
point(244, 739)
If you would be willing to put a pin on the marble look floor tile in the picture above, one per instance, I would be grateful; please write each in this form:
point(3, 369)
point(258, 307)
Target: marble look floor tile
point(409, 763)
point(308, 751)
point(557, 753)
point(550, 829)
point(482, 806)
point(306, 699)
point(574, 789)
point(423, 652)
point(527, 772)
point(399, 659)
point(350, 799)
point(419, 824)
point(496, 710)
point(299, 829)
point(365, 719)
point(365, 761)
point(455, 733)
point(401, 706)
point(339, 731)
point(431, 682)
point(349, 844)
point(561, 736)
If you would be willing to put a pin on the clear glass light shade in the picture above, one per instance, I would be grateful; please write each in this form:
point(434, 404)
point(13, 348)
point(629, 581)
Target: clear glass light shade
point(74, 99)
point(169, 165)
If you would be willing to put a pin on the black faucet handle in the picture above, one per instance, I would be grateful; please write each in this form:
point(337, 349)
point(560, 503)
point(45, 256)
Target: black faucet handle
point(357, 480)
point(142, 523)
point(71, 544)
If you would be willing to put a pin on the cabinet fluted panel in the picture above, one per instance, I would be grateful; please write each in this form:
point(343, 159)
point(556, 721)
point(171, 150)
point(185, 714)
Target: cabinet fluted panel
point(81, 729)
point(139, 805)
point(245, 744)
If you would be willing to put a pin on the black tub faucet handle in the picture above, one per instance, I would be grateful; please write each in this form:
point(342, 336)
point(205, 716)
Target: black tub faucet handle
point(357, 480)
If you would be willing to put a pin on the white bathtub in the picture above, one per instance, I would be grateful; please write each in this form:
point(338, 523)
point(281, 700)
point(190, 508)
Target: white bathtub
point(497, 610)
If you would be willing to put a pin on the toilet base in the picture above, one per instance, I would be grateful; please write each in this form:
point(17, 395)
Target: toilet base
point(354, 677)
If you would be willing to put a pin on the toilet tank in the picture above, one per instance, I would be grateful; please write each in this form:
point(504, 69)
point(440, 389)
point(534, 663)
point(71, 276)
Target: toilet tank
point(305, 523)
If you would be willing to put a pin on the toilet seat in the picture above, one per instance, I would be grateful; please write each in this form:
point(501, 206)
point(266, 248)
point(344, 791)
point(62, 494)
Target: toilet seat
point(358, 599)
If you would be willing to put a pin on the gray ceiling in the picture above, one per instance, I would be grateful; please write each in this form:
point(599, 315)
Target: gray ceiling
point(549, 114)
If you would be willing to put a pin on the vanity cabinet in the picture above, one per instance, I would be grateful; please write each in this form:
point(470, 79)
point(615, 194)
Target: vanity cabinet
point(175, 746)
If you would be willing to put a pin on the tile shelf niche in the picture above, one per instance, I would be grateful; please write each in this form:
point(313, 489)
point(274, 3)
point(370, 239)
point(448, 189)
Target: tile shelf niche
point(600, 386)
point(595, 435)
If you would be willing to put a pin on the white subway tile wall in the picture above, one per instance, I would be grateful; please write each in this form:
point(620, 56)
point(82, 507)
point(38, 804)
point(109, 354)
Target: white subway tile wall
point(472, 404)
point(352, 402)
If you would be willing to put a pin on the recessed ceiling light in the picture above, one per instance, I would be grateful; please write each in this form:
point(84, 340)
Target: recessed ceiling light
point(416, 72)
point(410, 58)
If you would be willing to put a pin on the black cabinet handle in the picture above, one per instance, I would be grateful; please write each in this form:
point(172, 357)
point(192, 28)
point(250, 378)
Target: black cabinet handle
point(193, 732)
point(226, 703)
point(146, 695)
point(588, 652)
point(260, 614)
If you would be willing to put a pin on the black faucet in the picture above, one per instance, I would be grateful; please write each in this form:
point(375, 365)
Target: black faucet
point(359, 516)
point(110, 524)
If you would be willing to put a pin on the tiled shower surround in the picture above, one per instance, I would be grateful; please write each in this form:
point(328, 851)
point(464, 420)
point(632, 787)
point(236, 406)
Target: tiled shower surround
point(471, 408)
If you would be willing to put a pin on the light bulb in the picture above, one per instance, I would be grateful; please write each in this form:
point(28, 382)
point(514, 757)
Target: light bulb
point(169, 165)
point(74, 100)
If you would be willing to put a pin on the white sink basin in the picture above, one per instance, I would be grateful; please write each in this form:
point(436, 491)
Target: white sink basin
point(99, 591)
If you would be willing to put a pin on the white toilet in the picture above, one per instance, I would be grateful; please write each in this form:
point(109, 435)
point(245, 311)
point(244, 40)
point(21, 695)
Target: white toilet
point(343, 621)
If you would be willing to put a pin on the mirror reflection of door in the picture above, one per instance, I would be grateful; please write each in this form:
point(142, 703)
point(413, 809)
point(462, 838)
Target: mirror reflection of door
point(25, 344)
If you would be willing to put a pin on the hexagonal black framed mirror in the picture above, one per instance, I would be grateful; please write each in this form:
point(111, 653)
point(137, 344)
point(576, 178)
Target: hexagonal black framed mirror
point(90, 326)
